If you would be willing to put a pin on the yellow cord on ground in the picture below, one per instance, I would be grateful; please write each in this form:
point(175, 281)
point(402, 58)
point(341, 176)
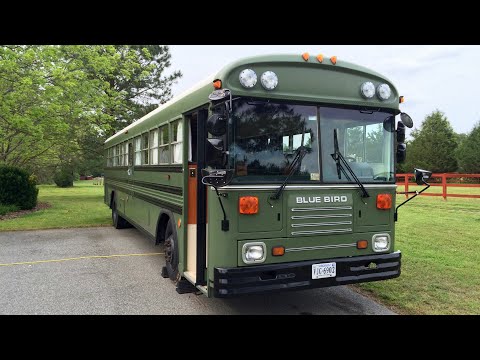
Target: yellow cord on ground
point(79, 258)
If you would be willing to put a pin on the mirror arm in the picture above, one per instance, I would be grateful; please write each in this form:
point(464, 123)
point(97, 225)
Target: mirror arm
point(231, 102)
point(414, 196)
point(225, 222)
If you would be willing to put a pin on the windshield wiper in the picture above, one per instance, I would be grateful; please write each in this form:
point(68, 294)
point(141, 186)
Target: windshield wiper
point(339, 159)
point(299, 155)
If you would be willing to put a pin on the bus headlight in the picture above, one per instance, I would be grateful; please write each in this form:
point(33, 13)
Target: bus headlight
point(248, 78)
point(269, 80)
point(381, 242)
point(254, 252)
point(384, 91)
point(368, 90)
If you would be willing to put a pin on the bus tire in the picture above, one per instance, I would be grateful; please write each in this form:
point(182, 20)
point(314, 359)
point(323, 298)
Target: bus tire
point(171, 251)
point(117, 221)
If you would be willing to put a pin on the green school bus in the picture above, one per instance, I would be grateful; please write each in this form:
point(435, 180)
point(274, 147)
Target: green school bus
point(276, 173)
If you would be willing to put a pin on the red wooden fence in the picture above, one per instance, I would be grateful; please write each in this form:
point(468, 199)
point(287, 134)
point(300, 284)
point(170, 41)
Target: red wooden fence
point(444, 184)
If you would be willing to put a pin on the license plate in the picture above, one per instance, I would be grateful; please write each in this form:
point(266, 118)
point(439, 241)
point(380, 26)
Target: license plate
point(320, 271)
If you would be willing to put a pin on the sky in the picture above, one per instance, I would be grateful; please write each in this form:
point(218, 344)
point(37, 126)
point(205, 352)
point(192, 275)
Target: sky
point(430, 77)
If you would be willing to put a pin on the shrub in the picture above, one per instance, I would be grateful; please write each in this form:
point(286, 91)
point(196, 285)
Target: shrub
point(5, 209)
point(18, 188)
point(63, 178)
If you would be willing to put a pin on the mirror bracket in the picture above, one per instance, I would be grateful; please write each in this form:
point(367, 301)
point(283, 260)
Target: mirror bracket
point(218, 178)
point(220, 95)
point(420, 178)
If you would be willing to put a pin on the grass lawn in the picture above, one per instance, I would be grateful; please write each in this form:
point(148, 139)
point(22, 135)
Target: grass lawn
point(440, 244)
point(79, 206)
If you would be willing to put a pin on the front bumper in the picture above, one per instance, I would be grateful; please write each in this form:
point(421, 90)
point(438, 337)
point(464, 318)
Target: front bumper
point(298, 275)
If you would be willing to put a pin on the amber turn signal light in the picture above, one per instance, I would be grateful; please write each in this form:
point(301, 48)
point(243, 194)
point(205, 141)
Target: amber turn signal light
point(306, 56)
point(384, 201)
point(362, 244)
point(248, 205)
point(278, 250)
point(217, 84)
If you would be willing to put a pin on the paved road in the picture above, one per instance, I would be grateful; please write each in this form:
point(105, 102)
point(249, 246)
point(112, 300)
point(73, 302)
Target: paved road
point(129, 284)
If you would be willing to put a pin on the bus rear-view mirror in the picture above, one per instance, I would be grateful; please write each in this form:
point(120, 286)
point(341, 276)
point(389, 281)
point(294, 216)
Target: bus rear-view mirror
point(215, 153)
point(406, 119)
point(401, 152)
point(421, 176)
point(217, 124)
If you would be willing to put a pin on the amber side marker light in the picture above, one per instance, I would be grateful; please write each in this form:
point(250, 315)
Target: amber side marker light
point(278, 251)
point(384, 201)
point(401, 99)
point(217, 84)
point(362, 244)
point(306, 56)
point(248, 205)
point(179, 223)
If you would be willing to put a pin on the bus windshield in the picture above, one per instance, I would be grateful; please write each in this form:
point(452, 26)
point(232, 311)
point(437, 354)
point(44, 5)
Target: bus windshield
point(266, 135)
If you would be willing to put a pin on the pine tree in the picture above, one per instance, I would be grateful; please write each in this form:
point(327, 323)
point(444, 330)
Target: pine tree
point(468, 152)
point(433, 146)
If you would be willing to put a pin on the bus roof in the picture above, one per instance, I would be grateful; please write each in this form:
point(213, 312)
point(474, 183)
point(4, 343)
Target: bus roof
point(336, 92)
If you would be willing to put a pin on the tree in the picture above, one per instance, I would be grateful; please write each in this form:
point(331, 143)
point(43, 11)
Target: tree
point(58, 104)
point(468, 152)
point(433, 146)
point(130, 83)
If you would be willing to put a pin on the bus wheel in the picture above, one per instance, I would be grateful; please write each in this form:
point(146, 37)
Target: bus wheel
point(118, 221)
point(171, 252)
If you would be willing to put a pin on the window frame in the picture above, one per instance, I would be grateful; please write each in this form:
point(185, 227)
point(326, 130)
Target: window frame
point(176, 143)
point(166, 145)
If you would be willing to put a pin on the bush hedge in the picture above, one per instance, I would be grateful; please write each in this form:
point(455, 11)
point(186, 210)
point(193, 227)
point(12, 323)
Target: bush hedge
point(64, 178)
point(5, 209)
point(18, 188)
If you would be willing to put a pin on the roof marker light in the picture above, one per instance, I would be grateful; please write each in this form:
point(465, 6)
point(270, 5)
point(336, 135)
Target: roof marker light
point(320, 58)
point(333, 59)
point(306, 56)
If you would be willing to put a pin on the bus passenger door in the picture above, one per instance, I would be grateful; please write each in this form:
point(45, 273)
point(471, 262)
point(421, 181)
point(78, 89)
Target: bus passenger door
point(196, 230)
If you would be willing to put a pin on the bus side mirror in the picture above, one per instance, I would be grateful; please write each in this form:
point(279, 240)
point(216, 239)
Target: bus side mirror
point(400, 132)
point(421, 176)
point(215, 154)
point(401, 147)
point(401, 152)
point(406, 119)
point(217, 125)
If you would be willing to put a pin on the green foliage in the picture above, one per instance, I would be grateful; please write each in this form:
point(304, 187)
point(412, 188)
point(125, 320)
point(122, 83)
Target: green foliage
point(468, 152)
point(58, 104)
point(64, 177)
point(433, 146)
point(17, 188)
point(5, 209)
